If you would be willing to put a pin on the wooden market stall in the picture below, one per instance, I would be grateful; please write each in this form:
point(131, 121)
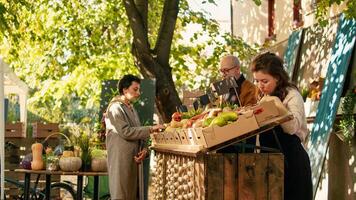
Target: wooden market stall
point(188, 167)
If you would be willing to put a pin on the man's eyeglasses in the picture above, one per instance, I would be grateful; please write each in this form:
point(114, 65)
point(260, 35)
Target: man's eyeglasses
point(226, 70)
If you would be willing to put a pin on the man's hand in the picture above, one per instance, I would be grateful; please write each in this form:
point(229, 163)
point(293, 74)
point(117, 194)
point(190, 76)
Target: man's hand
point(140, 156)
point(157, 128)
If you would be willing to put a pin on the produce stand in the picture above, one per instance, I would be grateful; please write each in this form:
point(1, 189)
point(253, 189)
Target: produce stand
point(193, 169)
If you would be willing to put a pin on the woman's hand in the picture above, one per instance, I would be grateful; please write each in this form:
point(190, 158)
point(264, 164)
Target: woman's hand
point(140, 156)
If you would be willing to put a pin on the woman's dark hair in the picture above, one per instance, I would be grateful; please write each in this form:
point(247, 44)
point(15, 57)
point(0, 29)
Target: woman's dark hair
point(126, 81)
point(272, 64)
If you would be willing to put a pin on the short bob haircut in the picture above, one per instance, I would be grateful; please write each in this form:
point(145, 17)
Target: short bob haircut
point(126, 81)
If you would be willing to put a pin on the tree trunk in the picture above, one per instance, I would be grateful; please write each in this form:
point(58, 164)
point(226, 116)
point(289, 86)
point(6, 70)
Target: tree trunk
point(167, 98)
point(154, 63)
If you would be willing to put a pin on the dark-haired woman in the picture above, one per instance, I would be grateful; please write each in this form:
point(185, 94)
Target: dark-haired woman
point(273, 80)
point(125, 138)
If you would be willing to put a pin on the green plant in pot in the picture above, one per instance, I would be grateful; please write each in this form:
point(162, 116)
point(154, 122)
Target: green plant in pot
point(347, 123)
point(85, 151)
point(52, 162)
point(81, 135)
point(99, 160)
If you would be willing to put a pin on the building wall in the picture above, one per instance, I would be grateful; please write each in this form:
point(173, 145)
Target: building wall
point(283, 19)
point(250, 21)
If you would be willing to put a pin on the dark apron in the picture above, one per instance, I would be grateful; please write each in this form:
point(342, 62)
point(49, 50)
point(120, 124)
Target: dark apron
point(297, 171)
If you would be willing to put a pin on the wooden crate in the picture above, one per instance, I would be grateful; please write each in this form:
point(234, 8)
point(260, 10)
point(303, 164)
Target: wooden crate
point(15, 130)
point(218, 176)
point(42, 130)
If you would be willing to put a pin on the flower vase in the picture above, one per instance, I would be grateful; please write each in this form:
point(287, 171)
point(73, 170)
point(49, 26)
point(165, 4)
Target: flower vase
point(86, 161)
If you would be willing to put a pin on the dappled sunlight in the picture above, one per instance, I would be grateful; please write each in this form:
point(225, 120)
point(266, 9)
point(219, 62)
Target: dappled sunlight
point(351, 160)
point(331, 92)
point(315, 52)
point(252, 18)
point(283, 28)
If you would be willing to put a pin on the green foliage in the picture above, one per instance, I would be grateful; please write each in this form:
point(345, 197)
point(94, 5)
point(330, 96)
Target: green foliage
point(347, 123)
point(196, 55)
point(13, 114)
point(64, 50)
point(191, 113)
point(323, 6)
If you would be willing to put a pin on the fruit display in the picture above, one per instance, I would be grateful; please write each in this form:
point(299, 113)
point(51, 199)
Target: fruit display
point(213, 126)
point(199, 118)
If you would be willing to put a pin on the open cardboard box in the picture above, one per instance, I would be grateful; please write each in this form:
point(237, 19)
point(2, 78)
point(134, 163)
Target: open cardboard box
point(169, 137)
point(213, 135)
point(265, 111)
point(268, 108)
point(250, 120)
point(183, 136)
point(191, 135)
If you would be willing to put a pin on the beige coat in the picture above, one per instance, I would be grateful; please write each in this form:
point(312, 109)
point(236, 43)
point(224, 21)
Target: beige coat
point(124, 138)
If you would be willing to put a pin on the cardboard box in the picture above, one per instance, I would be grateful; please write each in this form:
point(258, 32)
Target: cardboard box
point(265, 111)
point(176, 137)
point(183, 136)
point(191, 136)
point(214, 135)
point(154, 138)
point(161, 138)
point(169, 138)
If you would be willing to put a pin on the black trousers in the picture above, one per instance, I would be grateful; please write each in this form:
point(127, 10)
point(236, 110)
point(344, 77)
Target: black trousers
point(297, 170)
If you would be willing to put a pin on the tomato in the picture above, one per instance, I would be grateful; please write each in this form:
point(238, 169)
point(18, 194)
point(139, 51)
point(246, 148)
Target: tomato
point(177, 116)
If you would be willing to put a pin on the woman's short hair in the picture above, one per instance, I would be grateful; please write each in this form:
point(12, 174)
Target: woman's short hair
point(126, 81)
point(272, 64)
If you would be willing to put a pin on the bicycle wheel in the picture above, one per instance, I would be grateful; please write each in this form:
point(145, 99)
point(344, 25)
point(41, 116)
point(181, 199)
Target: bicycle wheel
point(62, 191)
point(34, 194)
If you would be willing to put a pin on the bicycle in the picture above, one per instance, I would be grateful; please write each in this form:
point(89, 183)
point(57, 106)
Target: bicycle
point(60, 190)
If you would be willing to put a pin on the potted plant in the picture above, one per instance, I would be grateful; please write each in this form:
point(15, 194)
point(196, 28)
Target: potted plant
point(347, 122)
point(52, 162)
point(81, 134)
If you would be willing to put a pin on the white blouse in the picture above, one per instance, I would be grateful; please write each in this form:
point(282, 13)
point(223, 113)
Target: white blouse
point(295, 104)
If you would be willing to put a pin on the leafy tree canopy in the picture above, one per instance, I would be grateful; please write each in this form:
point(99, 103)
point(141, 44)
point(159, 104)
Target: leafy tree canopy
point(64, 49)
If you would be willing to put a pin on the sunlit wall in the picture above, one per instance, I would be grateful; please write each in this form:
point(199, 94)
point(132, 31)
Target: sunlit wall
point(250, 21)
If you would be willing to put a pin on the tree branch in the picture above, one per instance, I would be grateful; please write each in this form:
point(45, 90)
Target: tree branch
point(165, 35)
point(137, 26)
point(142, 7)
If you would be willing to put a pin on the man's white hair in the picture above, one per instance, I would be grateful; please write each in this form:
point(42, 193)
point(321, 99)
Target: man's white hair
point(234, 60)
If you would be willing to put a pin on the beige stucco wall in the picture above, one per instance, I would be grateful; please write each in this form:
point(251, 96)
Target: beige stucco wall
point(283, 19)
point(251, 22)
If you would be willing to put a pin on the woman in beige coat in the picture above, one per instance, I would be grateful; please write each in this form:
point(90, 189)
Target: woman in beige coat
point(125, 140)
